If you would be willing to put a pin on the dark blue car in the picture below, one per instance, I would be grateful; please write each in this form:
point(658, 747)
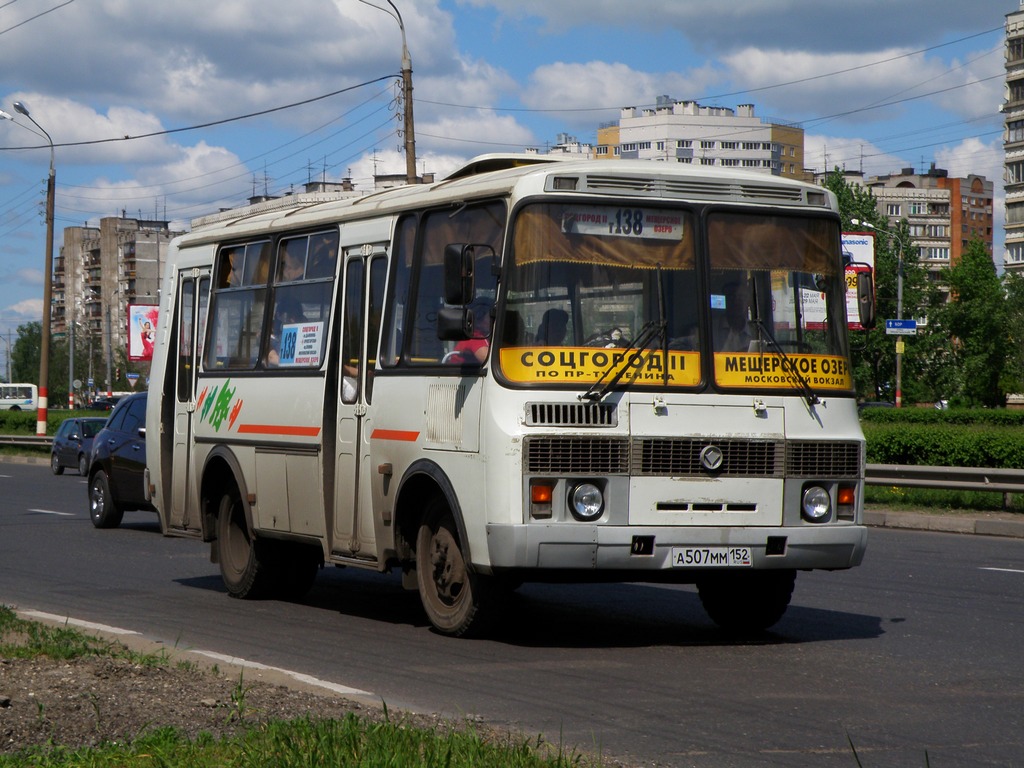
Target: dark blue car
point(73, 443)
point(117, 465)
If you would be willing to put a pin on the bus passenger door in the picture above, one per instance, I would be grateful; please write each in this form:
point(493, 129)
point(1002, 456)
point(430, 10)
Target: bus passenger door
point(193, 296)
point(364, 272)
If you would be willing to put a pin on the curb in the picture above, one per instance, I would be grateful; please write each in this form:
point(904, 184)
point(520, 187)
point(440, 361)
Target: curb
point(970, 524)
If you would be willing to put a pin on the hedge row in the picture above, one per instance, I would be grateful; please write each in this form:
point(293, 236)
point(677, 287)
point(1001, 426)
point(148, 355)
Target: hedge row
point(945, 445)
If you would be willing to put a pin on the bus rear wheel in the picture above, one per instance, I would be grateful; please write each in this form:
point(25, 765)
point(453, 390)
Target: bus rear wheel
point(451, 593)
point(245, 573)
point(746, 601)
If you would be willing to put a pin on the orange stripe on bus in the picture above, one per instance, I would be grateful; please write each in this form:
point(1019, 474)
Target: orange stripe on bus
point(395, 434)
point(278, 429)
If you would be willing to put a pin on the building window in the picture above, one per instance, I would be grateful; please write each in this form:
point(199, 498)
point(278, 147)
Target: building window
point(707, 161)
point(918, 208)
point(707, 145)
point(684, 144)
point(730, 145)
point(893, 209)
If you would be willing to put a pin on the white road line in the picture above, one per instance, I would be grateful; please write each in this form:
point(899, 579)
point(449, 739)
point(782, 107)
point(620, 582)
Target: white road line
point(303, 678)
point(1004, 570)
point(78, 623)
point(342, 690)
point(52, 512)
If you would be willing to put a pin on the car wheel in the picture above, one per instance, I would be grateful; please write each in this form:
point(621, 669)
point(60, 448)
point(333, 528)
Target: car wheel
point(83, 465)
point(55, 464)
point(102, 509)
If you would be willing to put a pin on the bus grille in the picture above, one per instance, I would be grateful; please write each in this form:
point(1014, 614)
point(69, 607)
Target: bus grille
point(571, 415)
point(680, 457)
point(577, 455)
point(702, 188)
point(824, 459)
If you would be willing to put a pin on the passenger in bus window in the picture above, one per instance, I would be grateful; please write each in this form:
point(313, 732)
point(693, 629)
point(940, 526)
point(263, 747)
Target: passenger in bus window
point(292, 265)
point(288, 311)
point(324, 256)
point(230, 268)
point(473, 351)
point(731, 325)
point(552, 329)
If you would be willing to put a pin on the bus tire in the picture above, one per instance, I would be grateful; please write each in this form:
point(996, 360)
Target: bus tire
point(103, 511)
point(747, 601)
point(451, 593)
point(246, 574)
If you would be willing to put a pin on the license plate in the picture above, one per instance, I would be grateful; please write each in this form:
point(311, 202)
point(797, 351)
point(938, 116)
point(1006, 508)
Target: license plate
point(711, 557)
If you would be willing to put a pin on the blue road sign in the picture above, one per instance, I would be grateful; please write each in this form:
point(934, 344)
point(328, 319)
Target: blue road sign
point(901, 327)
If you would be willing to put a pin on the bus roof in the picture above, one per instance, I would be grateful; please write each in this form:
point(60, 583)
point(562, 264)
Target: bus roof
point(497, 174)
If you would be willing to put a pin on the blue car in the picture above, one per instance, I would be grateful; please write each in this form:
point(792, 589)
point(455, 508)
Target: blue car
point(73, 443)
point(117, 464)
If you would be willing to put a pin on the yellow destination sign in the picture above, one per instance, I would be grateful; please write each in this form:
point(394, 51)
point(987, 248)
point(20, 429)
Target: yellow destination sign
point(552, 365)
point(771, 371)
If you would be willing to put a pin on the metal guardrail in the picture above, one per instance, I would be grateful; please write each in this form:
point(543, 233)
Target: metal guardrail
point(34, 441)
point(946, 478)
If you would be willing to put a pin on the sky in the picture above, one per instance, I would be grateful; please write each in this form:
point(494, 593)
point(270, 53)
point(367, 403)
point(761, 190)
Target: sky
point(173, 110)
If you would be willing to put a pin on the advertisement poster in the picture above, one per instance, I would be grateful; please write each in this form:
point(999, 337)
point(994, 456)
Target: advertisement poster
point(142, 320)
point(859, 256)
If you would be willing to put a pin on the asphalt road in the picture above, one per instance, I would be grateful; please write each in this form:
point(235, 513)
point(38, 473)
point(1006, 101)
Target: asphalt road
point(916, 651)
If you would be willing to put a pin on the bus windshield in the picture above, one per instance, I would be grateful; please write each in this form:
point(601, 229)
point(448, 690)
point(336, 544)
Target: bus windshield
point(584, 281)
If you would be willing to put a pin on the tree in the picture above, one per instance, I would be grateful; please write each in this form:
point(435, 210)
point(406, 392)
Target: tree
point(873, 353)
point(1013, 372)
point(975, 320)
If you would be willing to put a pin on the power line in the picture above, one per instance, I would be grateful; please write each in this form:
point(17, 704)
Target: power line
point(33, 18)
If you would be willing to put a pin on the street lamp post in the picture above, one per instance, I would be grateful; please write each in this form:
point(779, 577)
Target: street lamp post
point(410, 136)
point(44, 347)
point(899, 304)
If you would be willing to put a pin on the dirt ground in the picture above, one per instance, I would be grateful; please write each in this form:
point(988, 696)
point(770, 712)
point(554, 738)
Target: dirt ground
point(91, 700)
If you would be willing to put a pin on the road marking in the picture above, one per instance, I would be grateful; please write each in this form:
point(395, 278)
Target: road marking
point(1004, 570)
point(78, 623)
point(344, 690)
point(52, 512)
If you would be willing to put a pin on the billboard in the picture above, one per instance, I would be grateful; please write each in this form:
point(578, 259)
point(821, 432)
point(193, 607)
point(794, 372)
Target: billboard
point(142, 321)
point(858, 256)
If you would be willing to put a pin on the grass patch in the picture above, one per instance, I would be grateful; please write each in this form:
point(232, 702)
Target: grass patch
point(350, 742)
point(938, 500)
point(308, 742)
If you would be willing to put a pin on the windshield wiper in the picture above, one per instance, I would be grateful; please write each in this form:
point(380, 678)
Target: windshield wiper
point(787, 363)
point(600, 388)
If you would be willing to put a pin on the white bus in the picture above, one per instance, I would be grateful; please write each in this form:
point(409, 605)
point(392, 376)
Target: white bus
point(19, 397)
point(531, 370)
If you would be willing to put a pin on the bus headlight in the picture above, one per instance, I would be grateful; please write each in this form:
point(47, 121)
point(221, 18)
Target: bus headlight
point(817, 506)
point(586, 502)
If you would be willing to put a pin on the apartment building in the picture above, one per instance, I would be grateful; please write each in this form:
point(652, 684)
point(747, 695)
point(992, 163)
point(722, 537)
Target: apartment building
point(99, 271)
point(944, 213)
point(687, 132)
point(1013, 141)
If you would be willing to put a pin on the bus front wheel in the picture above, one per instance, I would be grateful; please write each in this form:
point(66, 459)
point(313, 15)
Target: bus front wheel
point(245, 574)
point(450, 592)
point(746, 601)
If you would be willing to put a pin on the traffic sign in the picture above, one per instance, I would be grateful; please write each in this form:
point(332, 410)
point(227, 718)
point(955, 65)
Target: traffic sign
point(901, 327)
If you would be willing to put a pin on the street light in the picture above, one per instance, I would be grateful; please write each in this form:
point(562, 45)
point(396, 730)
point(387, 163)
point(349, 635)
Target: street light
point(899, 302)
point(410, 137)
point(44, 350)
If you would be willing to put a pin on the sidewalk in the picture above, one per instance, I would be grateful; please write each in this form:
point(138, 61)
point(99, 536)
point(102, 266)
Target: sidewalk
point(985, 523)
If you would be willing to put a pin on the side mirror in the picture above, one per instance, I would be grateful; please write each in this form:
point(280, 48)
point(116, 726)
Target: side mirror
point(866, 299)
point(454, 323)
point(458, 273)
